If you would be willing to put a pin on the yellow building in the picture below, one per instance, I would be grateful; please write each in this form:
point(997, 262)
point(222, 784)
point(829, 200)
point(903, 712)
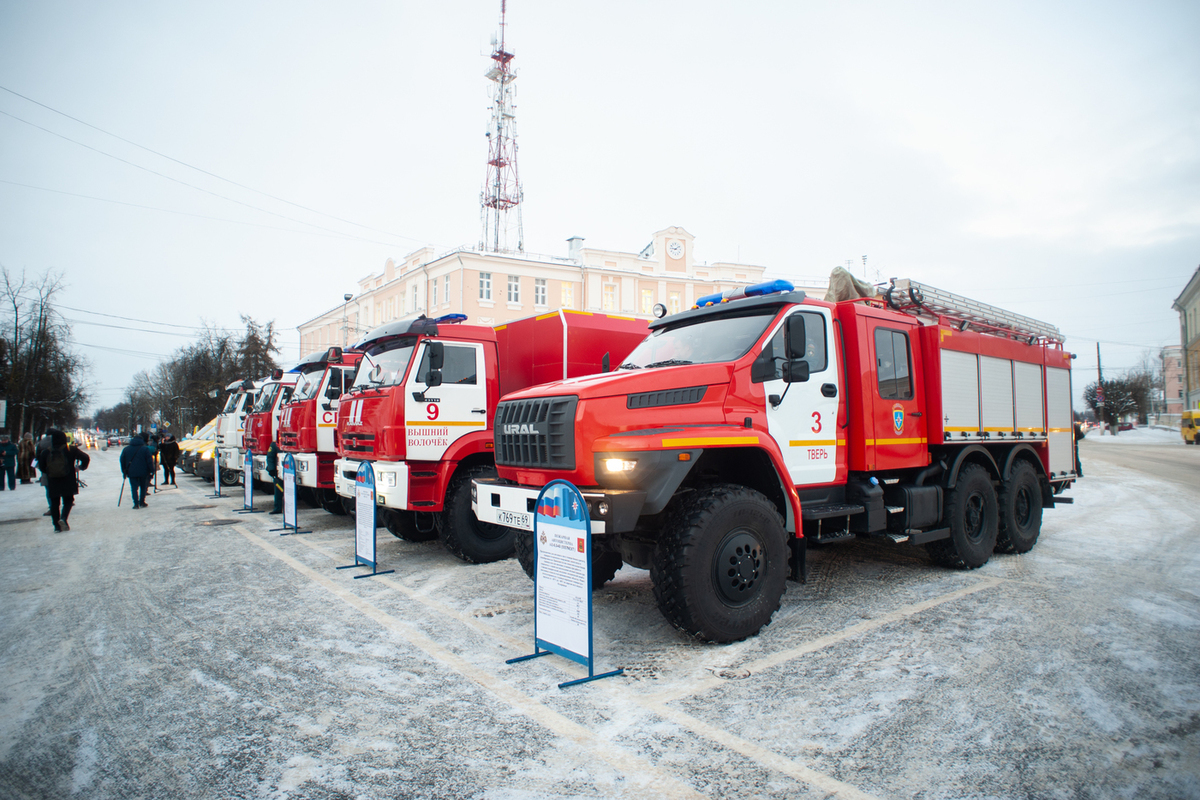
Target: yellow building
point(493, 288)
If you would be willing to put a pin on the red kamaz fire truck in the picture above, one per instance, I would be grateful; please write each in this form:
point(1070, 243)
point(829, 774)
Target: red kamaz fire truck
point(309, 422)
point(262, 422)
point(421, 405)
point(743, 429)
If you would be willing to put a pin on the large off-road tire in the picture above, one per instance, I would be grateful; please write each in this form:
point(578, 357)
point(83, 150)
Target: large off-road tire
point(349, 505)
point(1020, 510)
point(604, 563)
point(403, 525)
point(972, 514)
point(461, 533)
point(331, 501)
point(720, 566)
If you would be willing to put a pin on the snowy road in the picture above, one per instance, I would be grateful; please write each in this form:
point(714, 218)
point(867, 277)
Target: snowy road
point(147, 654)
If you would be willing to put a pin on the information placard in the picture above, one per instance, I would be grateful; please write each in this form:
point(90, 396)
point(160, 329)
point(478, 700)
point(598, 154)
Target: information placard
point(562, 584)
point(290, 524)
point(248, 481)
point(364, 522)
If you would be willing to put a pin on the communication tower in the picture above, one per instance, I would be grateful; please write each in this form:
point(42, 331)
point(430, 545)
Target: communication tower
point(500, 200)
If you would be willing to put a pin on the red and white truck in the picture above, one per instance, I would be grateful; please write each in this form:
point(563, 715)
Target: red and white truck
point(421, 406)
point(743, 429)
point(308, 424)
point(262, 421)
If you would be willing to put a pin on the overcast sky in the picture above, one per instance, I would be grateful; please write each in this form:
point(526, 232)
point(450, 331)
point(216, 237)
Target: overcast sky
point(1040, 156)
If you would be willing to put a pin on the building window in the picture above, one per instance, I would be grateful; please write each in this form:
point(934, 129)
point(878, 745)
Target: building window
point(446, 289)
point(514, 289)
point(433, 293)
point(647, 300)
point(674, 301)
point(539, 291)
point(568, 291)
point(389, 309)
point(485, 286)
point(610, 297)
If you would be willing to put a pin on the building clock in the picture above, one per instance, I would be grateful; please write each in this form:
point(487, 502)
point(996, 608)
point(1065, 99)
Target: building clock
point(675, 249)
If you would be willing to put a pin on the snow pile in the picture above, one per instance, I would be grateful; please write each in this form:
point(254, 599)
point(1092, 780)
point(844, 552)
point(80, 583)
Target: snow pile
point(1137, 436)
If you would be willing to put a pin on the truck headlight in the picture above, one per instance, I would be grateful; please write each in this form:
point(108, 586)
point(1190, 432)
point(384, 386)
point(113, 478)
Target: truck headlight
point(302, 466)
point(619, 465)
point(207, 456)
point(388, 479)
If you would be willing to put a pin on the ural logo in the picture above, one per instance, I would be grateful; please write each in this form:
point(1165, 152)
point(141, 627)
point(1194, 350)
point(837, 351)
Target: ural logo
point(521, 429)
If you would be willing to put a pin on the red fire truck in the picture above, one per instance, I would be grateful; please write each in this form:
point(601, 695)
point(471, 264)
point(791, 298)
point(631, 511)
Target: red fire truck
point(743, 429)
point(309, 422)
point(262, 421)
point(421, 404)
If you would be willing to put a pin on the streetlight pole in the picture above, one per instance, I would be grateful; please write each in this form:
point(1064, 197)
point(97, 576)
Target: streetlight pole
point(345, 305)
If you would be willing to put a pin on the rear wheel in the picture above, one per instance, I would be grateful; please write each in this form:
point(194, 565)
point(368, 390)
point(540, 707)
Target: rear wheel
point(465, 536)
point(230, 477)
point(973, 519)
point(1020, 510)
point(403, 525)
point(720, 567)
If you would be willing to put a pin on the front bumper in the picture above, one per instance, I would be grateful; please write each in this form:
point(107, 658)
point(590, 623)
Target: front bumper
point(260, 470)
point(391, 481)
point(306, 469)
point(230, 458)
point(501, 503)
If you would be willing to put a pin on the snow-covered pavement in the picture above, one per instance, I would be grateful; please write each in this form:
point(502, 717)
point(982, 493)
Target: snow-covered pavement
point(162, 653)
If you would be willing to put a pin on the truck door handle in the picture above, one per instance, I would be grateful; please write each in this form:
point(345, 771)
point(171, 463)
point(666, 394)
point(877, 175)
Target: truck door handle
point(829, 390)
point(478, 410)
point(915, 414)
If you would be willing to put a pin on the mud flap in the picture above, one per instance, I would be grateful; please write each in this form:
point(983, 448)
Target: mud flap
point(799, 564)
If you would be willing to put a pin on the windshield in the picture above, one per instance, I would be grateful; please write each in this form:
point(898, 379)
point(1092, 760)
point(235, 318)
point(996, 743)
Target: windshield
point(265, 398)
point(231, 403)
point(307, 385)
point(384, 365)
point(705, 341)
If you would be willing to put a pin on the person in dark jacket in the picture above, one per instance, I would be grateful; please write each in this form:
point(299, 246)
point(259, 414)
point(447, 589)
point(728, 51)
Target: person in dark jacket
point(137, 465)
point(8, 462)
point(168, 454)
point(58, 466)
point(26, 452)
point(276, 476)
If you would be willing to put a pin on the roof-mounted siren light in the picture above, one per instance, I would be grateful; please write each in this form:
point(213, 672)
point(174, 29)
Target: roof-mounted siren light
point(451, 318)
point(777, 286)
point(708, 300)
point(334, 356)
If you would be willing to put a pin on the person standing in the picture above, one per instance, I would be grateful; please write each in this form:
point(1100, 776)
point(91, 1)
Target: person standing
point(276, 477)
point(1078, 434)
point(44, 444)
point(57, 463)
point(8, 463)
point(168, 454)
point(137, 465)
point(25, 455)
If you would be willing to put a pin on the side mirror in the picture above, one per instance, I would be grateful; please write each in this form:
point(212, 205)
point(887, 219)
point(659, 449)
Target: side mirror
point(795, 336)
point(605, 363)
point(333, 392)
point(437, 356)
point(763, 369)
point(434, 378)
point(795, 370)
point(334, 356)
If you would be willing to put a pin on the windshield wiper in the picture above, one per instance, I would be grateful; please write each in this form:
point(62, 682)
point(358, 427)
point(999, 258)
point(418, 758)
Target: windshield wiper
point(628, 365)
point(670, 362)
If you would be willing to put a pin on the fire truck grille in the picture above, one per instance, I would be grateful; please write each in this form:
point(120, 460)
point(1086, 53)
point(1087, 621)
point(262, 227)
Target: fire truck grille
point(536, 433)
point(361, 443)
point(289, 440)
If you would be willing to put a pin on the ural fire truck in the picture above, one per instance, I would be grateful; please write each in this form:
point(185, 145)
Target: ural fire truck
point(262, 421)
point(743, 429)
point(231, 427)
point(421, 407)
point(309, 422)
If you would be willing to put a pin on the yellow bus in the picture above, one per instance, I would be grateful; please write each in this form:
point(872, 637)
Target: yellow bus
point(1188, 425)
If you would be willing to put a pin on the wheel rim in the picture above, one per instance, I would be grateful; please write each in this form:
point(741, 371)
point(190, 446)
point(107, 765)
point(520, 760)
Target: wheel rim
point(738, 567)
point(1023, 508)
point(975, 517)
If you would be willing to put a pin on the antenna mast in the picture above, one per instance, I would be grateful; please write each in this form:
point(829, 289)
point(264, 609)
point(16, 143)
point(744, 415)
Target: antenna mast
point(500, 200)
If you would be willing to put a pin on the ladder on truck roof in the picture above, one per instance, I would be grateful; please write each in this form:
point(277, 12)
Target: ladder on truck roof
point(908, 295)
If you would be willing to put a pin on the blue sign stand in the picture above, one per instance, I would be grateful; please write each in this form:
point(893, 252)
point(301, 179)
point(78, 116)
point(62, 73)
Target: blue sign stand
point(289, 498)
point(248, 486)
point(562, 593)
point(216, 474)
point(364, 522)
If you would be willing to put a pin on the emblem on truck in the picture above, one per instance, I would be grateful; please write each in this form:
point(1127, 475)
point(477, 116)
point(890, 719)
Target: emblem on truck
point(521, 429)
point(898, 418)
